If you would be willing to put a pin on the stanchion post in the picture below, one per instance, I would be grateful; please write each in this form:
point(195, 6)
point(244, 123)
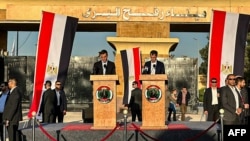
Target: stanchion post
point(4, 131)
point(125, 112)
point(221, 123)
point(33, 125)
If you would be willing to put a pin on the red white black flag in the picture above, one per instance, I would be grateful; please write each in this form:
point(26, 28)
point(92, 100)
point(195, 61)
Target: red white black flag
point(228, 33)
point(56, 36)
point(131, 64)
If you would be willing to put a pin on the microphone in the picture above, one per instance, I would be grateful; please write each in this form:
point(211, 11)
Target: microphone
point(105, 66)
point(154, 66)
point(145, 70)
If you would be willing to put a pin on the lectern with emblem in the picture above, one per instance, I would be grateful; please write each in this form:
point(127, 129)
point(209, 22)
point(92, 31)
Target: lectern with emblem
point(104, 101)
point(153, 101)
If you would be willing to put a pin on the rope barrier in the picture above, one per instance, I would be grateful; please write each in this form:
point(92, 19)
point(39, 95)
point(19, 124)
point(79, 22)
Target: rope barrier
point(45, 132)
point(110, 133)
point(202, 133)
point(137, 128)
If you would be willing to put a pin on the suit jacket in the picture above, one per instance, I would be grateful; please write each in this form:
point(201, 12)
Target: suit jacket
point(136, 97)
point(228, 103)
point(49, 101)
point(207, 99)
point(159, 68)
point(13, 107)
point(98, 68)
point(179, 98)
point(63, 100)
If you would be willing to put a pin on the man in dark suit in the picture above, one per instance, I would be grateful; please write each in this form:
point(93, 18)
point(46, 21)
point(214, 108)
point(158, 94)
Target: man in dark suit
point(230, 102)
point(240, 87)
point(153, 66)
point(48, 104)
point(135, 103)
point(4, 93)
point(104, 66)
point(61, 106)
point(211, 101)
point(13, 110)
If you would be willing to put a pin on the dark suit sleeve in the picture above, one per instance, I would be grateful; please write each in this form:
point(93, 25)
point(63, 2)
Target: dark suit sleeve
point(161, 68)
point(64, 101)
point(205, 100)
point(12, 105)
point(42, 105)
point(148, 66)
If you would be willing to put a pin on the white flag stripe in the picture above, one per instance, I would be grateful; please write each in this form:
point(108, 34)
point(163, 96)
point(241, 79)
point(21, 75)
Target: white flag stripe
point(56, 46)
point(228, 45)
point(131, 68)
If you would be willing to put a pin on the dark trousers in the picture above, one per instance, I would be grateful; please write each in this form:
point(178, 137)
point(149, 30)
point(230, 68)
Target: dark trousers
point(213, 113)
point(136, 111)
point(49, 118)
point(13, 132)
point(1, 126)
point(59, 115)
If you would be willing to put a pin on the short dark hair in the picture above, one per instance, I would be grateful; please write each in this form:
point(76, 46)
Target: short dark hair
point(48, 82)
point(153, 52)
point(103, 52)
point(135, 82)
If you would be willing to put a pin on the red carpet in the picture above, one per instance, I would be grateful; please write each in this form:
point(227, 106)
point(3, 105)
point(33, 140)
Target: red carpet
point(129, 127)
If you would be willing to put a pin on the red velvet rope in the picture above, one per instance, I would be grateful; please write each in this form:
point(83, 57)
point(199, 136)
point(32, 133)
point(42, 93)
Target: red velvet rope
point(46, 133)
point(107, 136)
point(202, 133)
point(144, 133)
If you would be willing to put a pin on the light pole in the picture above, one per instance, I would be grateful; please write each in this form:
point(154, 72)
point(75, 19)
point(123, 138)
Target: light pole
point(197, 46)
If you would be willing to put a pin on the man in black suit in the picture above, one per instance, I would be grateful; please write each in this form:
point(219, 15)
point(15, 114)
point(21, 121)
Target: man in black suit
point(153, 66)
point(104, 66)
point(240, 87)
point(230, 102)
point(211, 101)
point(13, 110)
point(4, 93)
point(135, 103)
point(48, 104)
point(61, 106)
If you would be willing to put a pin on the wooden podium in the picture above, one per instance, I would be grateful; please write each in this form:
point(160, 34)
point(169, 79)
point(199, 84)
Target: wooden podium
point(153, 107)
point(104, 101)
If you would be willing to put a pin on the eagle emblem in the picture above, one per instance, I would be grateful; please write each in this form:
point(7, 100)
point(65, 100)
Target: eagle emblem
point(153, 93)
point(226, 68)
point(52, 70)
point(104, 94)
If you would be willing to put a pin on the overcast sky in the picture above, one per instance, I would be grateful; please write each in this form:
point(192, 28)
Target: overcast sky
point(90, 43)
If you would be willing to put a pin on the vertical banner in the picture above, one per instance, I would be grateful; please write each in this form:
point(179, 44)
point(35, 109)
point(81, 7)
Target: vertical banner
point(131, 64)
point(228, 33)
point(55, 41)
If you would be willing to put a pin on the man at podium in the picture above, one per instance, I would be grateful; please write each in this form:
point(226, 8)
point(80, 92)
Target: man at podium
point(104, 66)
point(153, 66)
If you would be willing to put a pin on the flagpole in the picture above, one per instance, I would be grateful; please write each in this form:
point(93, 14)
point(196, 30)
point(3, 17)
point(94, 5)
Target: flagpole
point(17, 37)
point(197, 46)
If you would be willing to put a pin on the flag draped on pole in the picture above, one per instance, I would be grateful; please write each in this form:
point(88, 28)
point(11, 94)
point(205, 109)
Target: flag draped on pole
point(56, 36)
point(131, 64)
point(228, 33)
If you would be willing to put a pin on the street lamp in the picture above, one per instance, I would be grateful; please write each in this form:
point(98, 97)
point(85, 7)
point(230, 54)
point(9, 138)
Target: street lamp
point(197, 46)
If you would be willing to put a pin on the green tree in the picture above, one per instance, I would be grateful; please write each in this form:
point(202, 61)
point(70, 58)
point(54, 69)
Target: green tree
point(204, 56)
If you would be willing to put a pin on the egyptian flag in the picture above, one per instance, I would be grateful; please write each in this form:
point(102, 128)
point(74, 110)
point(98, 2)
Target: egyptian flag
point(56, 36)
point(228, 33)
point(131, 65)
